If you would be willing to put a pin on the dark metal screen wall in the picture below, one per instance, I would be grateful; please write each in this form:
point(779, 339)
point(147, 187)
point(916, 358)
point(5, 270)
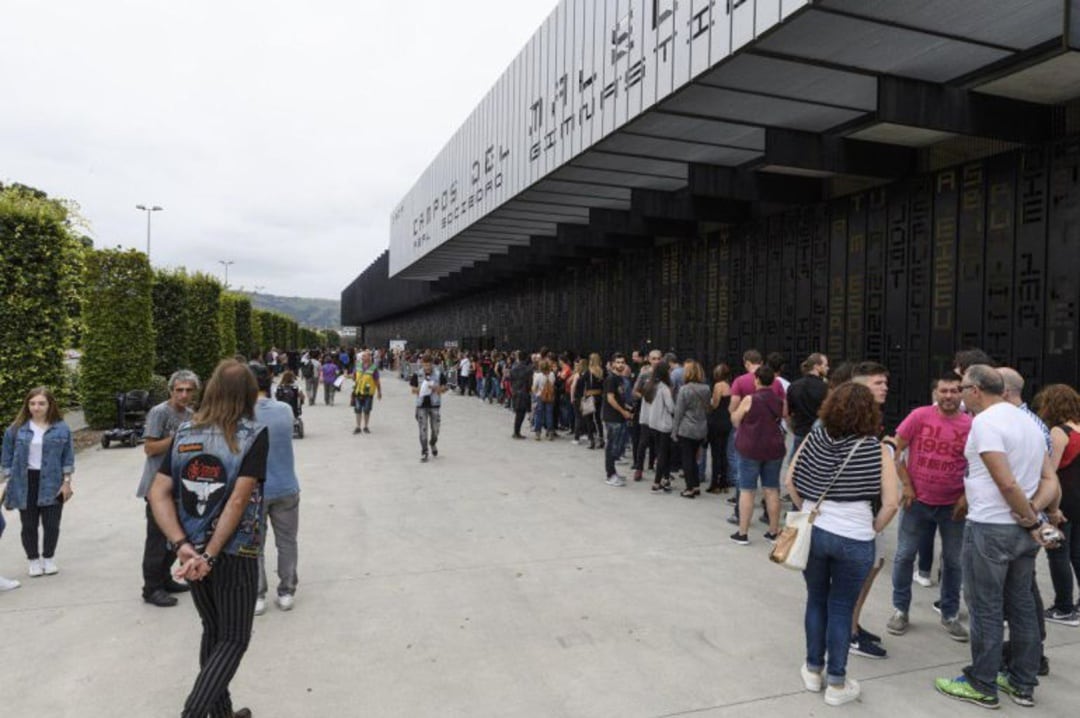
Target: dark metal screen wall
point(984, 254)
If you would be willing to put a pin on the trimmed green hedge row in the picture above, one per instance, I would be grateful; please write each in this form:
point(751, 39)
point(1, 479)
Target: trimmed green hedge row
point(41, 260)
point(118, 330)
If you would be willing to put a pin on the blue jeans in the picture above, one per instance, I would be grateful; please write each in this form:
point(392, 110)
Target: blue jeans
point(796, 441)
point(750, 470)
point(999, 568)
point(543, 416)
point(617, 435)
point(834, 575)
point(913, 525)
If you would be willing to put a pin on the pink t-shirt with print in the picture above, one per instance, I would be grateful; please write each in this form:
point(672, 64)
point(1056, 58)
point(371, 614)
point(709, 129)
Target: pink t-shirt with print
point(935, 455)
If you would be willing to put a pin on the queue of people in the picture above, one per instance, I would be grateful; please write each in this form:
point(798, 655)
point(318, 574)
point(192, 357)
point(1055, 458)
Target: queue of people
point(974, 471)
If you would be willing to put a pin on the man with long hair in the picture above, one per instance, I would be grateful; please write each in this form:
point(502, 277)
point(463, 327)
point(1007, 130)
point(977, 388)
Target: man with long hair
point(207, 499)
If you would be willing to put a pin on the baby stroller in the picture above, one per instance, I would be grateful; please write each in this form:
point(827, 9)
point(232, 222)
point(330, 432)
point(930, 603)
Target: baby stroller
point(289, 394)
point(131, 408)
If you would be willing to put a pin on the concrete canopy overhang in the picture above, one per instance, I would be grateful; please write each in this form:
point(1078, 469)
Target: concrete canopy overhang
point(801, 94)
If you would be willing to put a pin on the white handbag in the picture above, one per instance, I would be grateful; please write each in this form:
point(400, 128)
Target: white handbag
point(792, 547)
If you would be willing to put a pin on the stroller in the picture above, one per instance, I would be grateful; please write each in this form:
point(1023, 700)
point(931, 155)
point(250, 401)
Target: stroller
point(131, 409)
point(291, 396)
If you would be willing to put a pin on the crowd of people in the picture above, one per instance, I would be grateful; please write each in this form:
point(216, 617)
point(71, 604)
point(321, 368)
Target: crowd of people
point(974, 470)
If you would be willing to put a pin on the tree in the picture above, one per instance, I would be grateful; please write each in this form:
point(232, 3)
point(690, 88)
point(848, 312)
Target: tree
point(41, 261)
point(204, 315)
point(227, 325)
point(170, 296)
point(118, 338)
point(245, 339)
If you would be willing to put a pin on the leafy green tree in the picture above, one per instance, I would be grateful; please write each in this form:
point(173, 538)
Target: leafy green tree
point(333, 338)
point(204, 316)
point(118, 337)
point(245, 340)
point(41, 261)
point(227, 324)
point(170, 296)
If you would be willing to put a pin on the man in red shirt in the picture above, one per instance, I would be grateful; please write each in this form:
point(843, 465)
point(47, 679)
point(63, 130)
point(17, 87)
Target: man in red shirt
point(933, 477)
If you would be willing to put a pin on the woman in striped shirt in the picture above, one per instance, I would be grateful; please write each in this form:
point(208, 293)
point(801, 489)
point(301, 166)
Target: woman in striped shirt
point(844, 448)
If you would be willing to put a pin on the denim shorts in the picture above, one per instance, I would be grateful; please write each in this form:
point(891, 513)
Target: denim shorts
point(750, 470)
point(364, 404)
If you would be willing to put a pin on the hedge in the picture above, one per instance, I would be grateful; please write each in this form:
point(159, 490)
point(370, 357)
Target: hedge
point(227, 325)
point(41, 262)
point(170, 294)
point(118, 332)
point(204, 313)
point(245, 339)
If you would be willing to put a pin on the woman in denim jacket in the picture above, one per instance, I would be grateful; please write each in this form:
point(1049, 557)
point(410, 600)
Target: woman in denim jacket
point(38, 461)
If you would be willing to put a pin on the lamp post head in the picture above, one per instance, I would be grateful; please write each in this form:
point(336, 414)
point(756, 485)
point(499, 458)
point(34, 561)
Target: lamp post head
point(141, 206)
point(155, 208)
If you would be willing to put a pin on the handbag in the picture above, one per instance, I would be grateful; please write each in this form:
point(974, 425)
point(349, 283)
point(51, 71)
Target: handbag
point(588, 406)
point(792, 547)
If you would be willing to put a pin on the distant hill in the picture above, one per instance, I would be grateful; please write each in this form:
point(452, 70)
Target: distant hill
point(314, 313)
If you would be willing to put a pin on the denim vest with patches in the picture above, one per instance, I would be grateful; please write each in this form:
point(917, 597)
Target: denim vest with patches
point(204, 473)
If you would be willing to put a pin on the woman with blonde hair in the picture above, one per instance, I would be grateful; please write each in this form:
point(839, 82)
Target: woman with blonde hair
point(207, 498)
point(38, 462)
point(592, 382)
point(543, 391)
point(690, 424)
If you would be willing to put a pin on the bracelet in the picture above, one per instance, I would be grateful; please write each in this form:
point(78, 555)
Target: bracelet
point(175, 546)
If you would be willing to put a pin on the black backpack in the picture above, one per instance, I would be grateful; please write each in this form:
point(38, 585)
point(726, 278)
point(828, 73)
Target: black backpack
point(291, 396)
point(308, 370)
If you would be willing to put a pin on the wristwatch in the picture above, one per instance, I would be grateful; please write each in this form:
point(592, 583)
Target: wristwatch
point(210, 560)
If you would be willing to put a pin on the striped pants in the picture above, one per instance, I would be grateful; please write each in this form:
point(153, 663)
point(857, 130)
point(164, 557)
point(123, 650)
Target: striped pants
point(225, 601)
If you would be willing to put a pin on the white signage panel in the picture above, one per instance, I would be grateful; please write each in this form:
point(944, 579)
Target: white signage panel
point(593, 66)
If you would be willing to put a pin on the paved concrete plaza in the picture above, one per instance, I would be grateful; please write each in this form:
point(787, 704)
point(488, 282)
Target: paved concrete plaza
point(502, 579)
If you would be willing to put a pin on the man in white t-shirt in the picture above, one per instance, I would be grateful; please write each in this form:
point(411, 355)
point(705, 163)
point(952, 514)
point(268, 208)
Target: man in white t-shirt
point(1009, 481)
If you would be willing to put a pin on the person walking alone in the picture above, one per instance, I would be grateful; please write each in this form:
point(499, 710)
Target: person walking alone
point(428, 386)
point(207, 499)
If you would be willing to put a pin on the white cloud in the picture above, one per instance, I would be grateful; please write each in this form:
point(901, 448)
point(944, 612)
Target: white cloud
point(278, 135)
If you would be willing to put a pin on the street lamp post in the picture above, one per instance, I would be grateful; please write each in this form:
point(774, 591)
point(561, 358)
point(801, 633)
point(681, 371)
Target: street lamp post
point(149, 210)
point(225, 263)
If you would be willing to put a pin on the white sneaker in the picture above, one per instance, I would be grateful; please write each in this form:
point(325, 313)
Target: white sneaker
point(924, 581)
point(285, 602)
point(617, 480)
point(35, 568)
point(811, 680)
point(8, 584)
point(49, 567)
point(838, 696)
point(260, 606)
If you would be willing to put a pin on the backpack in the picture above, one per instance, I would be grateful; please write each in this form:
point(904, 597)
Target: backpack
point(308, 371)
point(365, 383)
point(289, 395)
point(547, 391)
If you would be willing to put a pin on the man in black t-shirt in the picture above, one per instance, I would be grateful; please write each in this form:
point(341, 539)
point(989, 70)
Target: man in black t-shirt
point(615, 414)
point(805, 397)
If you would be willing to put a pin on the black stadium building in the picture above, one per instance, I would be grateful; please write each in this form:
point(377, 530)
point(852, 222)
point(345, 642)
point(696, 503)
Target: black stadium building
point(885, 179)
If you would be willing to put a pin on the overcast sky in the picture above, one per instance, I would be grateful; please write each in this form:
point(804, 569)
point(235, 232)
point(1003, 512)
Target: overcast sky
point(278, 135)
